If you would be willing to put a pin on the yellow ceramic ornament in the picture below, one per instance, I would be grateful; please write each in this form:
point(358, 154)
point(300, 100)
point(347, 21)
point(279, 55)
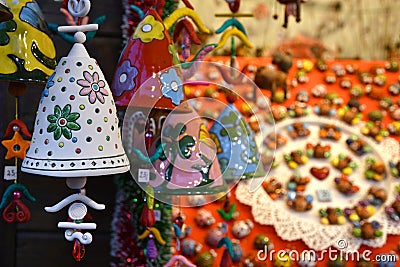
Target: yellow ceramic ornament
point(27, 53)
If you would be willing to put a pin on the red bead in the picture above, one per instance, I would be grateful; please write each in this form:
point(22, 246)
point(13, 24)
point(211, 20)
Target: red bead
point(179, 221)
point(78, 250)
point(148, 138)
point(231, 98)
point(16, 195)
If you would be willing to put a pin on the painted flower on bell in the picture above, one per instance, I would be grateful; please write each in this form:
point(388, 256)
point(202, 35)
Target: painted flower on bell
point(63, 122)
point(148, 29)
point(92, 87)
point(124, 78)
point(172, 86)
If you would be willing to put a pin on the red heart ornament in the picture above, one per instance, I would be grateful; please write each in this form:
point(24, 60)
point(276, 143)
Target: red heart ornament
point(320, 173)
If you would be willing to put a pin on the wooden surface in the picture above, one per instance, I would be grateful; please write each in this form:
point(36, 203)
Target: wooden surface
point(39, 242)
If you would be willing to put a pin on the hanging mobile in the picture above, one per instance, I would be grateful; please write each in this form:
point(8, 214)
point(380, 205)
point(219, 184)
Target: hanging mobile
point(231, 28)
point(184, 30)
point(28, 55)
point(76, 132)
point(14, 210)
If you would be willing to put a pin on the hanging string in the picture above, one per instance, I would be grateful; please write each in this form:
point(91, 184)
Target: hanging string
point(16, 107)
point(16, 117)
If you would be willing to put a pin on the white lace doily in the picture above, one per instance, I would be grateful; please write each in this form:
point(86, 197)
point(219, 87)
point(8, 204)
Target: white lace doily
point(306, 226)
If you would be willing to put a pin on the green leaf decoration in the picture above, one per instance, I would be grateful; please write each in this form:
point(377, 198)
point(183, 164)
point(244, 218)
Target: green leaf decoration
point(57, 133)
point(73, 126)
point(51, 118)
point(52, 127)
point(66, 110)
point(66, 132)
point(57, 111)
point(72, 117)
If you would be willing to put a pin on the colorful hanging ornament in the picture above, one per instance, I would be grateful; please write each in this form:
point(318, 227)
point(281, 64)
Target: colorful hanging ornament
point(134, 11)
point(35, 57)
point(229, 29)
point(137, 66)
point(76, 133)
point(151, 249)
point(14, 210)
point(147, 217)
point(184, 30)
point(28, 55)
point(17, 145)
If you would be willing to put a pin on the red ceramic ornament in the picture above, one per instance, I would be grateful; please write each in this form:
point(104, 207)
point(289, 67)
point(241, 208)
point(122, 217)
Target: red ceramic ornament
point(233, 5)
point(147, 218)
point(78, 250)
point(148, 52)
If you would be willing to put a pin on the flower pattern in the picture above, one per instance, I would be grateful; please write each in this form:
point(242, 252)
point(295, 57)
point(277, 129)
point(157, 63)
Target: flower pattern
point(63, 122)
point(148, 29)
point(124, 79)
point(92, 87)
point(172, 86)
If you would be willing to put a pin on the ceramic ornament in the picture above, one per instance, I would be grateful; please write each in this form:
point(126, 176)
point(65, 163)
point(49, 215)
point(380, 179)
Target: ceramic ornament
point(182, 20)
point(191, 165)
point(236, 148)
point(181, 161)
point(33, 59)
point(145, 58)
point(76, 129)
point(231, 28)
point(76, 132)
point(27, 55)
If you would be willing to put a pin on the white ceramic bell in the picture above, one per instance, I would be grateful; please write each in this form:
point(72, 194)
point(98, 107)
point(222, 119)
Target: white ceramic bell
point(76, 129)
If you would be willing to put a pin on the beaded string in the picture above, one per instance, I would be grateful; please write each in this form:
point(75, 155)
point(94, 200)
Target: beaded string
point(16, 117)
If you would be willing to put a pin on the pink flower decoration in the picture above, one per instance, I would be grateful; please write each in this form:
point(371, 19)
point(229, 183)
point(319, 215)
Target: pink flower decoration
point(93, 87)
